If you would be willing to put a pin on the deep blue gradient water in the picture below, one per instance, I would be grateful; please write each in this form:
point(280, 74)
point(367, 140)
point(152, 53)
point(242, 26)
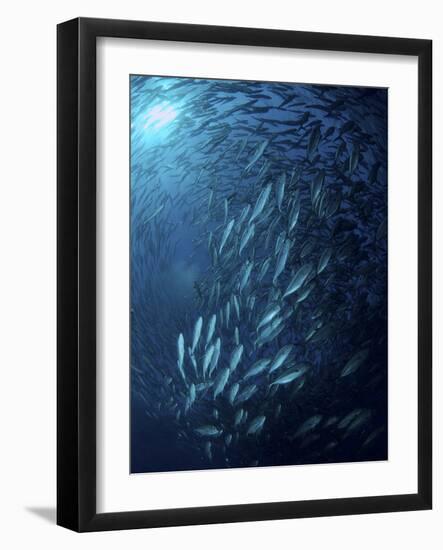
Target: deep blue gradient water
point(258, 274)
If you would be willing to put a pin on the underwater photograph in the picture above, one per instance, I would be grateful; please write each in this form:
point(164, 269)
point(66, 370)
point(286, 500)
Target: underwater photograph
point(258, 274)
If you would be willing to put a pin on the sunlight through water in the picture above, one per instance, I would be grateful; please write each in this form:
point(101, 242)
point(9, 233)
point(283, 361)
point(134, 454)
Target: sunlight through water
point(159, 116)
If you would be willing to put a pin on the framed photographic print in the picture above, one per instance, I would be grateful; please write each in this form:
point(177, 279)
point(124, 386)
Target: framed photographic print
point(244, 274)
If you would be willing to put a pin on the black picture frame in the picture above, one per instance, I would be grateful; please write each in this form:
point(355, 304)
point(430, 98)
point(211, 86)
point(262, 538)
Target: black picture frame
point(76, 280)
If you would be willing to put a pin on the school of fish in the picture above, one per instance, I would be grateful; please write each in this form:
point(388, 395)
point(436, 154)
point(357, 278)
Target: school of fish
point(258, 273)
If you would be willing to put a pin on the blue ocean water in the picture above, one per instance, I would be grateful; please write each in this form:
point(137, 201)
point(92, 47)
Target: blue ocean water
point(258, 274)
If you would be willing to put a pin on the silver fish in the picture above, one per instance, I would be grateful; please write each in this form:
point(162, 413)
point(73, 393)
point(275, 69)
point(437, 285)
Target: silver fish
point(268, 316)
point(247, 393)
point(316, 186)
point(236, 306)
point(298, 279)
point(294, 214)
point(152, 216)
point(192, 395)
point(244, 214)
point(207, 359)
point(309, 425)
point(208, 431)
point(324, 260)
point(258, 153)
point(225, 209)
point(246, 237)
point(264, 269)
point(261, 201)
point(193, 361)
point(233, 392)
point(289, 376)
point(354, 158)
point(235, 358)
point(180, 350)
point(225, 235)
point(246, 274)
point(227, 313)
point(355, 362)
point(305, 293)
point(215, 356)
point(280, 190)
point(221, 381)
point(257, 368)
point(280, 357)
point(197, 332)
point(313, 140)
point(256, 425)
point(346, 420)
point(238, 417)
point(267, 330)
point(211, 329)
point(282, 258)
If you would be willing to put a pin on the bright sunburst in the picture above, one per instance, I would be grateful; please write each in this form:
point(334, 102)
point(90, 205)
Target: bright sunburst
point(159, 116)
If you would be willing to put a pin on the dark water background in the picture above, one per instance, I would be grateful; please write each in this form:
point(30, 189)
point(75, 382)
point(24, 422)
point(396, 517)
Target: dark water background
point(191, 141)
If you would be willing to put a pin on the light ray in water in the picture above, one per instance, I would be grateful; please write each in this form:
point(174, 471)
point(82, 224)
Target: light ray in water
point(159, 116)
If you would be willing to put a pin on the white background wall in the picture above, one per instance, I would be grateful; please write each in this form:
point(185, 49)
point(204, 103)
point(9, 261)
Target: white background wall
point(27, 271)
